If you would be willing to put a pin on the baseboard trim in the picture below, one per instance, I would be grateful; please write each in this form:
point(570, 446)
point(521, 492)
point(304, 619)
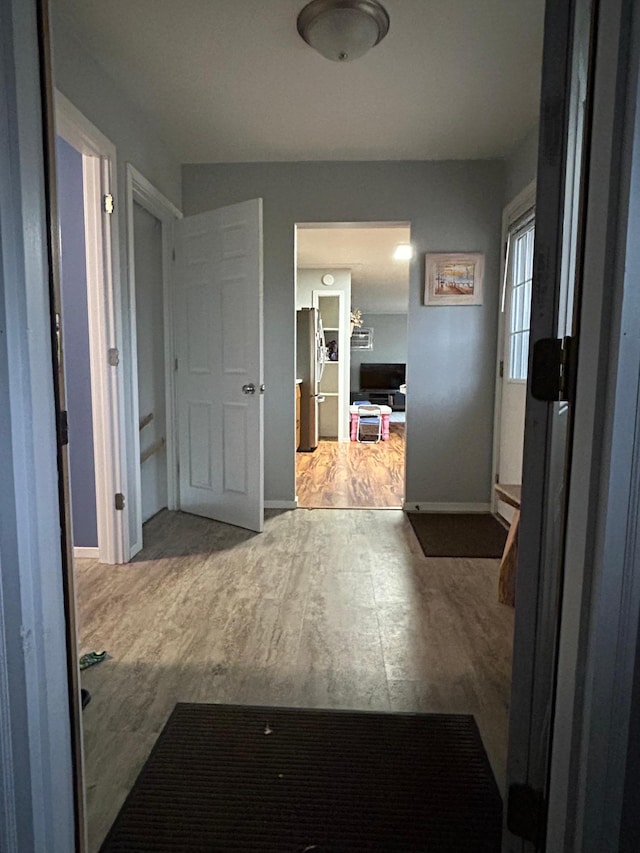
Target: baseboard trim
point(81, 553)
point(427, 506)
point(281, 504)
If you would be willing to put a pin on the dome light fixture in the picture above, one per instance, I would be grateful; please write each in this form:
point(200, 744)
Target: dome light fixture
point(343, 30)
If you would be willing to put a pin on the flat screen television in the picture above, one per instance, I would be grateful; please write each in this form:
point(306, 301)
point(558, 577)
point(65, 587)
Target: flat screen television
point(383, 377)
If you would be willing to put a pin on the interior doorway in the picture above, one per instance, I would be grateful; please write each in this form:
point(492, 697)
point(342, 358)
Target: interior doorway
point(352, 292)
point(88, 334)
point(150, 225)
point(147, 230)
point(76, 335)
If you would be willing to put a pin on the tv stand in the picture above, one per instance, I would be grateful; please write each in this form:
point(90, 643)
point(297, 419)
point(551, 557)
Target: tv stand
point(380, 398)
point(383, 397)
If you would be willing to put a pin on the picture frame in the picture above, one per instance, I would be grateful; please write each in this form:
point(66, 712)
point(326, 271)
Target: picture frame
point(453, 278)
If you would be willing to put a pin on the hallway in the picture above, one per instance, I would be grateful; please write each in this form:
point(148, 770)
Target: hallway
point(324, 609)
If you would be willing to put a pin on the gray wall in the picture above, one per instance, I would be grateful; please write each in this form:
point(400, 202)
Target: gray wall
point(451, 206)
point(309, 280)
point(389, 343)
point(137, 141)
point(75, 330)
point(96, 95)
point(522, 165)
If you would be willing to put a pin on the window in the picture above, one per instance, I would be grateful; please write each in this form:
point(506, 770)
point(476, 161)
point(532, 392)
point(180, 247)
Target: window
point(521, 273)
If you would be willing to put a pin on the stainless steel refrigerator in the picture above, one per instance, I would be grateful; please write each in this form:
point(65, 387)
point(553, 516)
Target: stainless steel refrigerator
point(310, 361)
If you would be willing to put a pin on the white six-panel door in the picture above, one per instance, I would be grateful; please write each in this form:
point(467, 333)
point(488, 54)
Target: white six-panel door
point(218, 340)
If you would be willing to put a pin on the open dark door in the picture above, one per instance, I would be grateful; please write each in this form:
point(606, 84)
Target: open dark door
point(561, 190)
point(48, 124)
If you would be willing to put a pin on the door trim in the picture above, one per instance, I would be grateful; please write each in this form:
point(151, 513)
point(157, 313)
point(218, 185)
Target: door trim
point(99, 168)
point(598, 643)
point(517, 207)
point(144, 193)
point(540, 569)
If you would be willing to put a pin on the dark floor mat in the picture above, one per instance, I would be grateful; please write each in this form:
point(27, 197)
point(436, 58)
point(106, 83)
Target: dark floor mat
point(444, 534)
point(234, 778)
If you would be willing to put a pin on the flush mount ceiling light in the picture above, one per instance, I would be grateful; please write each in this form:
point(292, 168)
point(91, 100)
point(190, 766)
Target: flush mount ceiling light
point(403, 252)
point(343, 30)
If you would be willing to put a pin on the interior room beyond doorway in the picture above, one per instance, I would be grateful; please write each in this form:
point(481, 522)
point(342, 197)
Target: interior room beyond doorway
point(352, 291)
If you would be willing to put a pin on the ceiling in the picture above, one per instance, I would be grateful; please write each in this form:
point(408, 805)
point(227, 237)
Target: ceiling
point(232, 81)
point(379, 285)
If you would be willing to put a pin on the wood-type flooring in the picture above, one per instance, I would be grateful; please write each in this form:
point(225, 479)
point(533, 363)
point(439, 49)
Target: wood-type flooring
point(328, 609)
point(353, 475)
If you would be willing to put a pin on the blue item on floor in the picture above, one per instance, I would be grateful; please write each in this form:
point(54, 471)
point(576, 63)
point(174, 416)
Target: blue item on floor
point(92, 658)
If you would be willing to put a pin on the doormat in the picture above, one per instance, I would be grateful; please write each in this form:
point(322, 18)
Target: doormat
point(443, 534)
point(224, 777)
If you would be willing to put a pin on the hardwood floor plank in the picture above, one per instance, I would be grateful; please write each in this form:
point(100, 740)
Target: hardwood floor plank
point(351, 475)
point(325, 609)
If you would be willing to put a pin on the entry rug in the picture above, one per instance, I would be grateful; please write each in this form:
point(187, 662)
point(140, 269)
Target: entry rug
point(237, 778)
point(457, 534)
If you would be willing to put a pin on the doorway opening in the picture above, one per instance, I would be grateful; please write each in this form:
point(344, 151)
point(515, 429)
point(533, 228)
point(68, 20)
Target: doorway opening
point(152, 403)
point(75, 332)
point(352, 296)
point(150, 223)
point(89, 336)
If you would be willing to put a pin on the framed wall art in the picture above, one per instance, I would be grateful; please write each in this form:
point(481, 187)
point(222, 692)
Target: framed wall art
point(453, 278)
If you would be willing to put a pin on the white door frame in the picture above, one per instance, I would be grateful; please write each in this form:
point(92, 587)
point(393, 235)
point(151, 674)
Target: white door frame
point(345, 344)
point(103, 302)
point(142, 191)
point(517, 207)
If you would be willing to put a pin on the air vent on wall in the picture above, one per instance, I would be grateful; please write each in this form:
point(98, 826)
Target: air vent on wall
point(362, 339)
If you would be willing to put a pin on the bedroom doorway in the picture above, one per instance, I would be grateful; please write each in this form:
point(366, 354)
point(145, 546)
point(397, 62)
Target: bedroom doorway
point(86, 162)
point(352, 297)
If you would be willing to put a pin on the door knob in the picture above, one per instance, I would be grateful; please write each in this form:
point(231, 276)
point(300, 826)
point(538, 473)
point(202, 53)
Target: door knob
point(250, 388)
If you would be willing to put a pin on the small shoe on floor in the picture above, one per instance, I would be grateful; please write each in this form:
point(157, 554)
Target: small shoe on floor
point(92, 658)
